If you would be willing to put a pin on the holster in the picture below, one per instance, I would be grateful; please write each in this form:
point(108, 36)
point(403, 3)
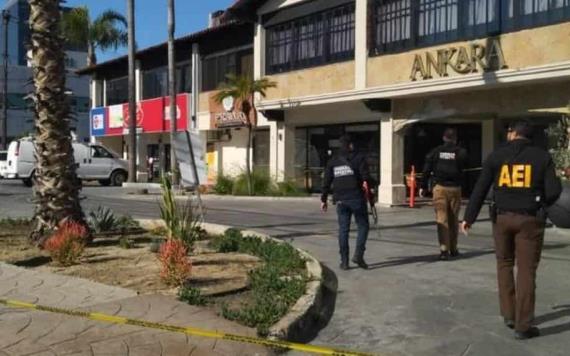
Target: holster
point(493, 212)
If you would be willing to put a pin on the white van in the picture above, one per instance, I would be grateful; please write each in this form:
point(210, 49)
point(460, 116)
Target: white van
point(95, 162)
point(3, 163)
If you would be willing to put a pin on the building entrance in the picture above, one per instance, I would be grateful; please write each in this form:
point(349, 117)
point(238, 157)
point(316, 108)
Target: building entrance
point(421, 138)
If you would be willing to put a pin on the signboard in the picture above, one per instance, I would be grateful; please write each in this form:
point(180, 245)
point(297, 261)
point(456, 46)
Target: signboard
point(152, 117)
point(227, 114)
point(98, 122)
point(462, 60)
point(184, 158)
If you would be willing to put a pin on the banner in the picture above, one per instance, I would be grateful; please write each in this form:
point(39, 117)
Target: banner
point(182, 148)
point(98, 122)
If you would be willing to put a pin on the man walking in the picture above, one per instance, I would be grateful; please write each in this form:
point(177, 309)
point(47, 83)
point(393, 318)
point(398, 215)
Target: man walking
point(347, 173)
point(524, 184)
point(445, 165)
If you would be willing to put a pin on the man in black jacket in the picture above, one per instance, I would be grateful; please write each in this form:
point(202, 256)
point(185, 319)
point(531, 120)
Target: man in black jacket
point(524, 184)
point(347, 172)
point(445, 165)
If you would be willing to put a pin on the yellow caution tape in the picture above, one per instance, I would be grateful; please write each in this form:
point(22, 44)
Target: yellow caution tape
point(112, 319)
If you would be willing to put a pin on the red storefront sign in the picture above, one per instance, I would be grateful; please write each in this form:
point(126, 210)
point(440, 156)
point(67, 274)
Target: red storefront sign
point(152, 116)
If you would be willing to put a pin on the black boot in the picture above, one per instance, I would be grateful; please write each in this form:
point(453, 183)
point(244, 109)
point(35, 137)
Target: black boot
point(509, 323)
point(344, 265)
point(531, 332)
point(359, 260)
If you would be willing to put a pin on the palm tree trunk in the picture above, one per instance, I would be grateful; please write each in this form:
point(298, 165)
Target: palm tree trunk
point(91, 55)
point(56, 185)
point(132, 90)
point(172, 90)
point(251, 137)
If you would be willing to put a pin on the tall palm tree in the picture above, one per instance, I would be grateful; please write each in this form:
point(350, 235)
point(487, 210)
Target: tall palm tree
point(243, 89)
point(107, 31)
point(56, 184)
point(132, 89)
point(172, 87)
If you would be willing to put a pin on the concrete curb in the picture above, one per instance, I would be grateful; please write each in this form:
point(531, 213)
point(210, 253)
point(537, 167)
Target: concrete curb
point(304, 314)
point(311, 198)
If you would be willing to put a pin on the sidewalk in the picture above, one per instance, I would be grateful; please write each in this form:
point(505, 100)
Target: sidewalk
point(24, 332)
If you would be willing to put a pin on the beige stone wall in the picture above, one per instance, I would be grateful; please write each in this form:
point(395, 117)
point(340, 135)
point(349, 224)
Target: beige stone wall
point(528, 48)
point(313, 81)
point(204, 101)
point(516, 101)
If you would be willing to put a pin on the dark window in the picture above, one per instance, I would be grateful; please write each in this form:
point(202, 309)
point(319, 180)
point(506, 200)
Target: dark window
point(100, 152)
point(404, 24)
point(117, 91)
point(320, 38)
point(155, 83)
point(216, 69)
point(184, 78)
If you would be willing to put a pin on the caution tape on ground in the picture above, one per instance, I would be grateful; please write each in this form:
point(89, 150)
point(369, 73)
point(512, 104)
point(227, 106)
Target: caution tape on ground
point(112, 319)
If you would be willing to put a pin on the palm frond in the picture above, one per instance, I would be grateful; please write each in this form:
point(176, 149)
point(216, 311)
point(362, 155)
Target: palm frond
point(75, 26)
point(109, 30)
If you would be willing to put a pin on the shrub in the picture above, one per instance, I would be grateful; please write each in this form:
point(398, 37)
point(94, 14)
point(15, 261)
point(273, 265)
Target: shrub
point(228, 242)
point(182, 221)
point(102, 220)
point(192, 296)
point(261, 182)
point(18, 222)
point(289, 188)
point(126, 222)
point(67, 244)
point(175, 265)
point(126, 243)
point(224, 185)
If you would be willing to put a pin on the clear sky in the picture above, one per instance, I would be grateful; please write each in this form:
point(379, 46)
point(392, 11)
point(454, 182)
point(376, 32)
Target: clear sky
point(151, 18)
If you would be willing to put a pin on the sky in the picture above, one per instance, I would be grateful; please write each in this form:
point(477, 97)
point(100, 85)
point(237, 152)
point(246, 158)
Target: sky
point(151, 18)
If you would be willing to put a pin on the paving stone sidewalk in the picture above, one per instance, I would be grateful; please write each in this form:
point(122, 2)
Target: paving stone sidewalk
point(26, 332)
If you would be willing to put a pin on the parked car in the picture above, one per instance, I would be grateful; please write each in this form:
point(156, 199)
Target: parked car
point(95, 162)
point(3, 163)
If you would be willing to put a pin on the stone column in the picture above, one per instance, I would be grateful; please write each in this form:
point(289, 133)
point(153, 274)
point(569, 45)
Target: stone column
point(361, 45)
point(282, 154)
point(392, 191)
point(142, 164)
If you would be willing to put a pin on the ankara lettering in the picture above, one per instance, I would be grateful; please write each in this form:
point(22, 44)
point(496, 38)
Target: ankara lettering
point(516, 176)
point(462, 60)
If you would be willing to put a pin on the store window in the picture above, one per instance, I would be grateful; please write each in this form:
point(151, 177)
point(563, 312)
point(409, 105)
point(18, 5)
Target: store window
point(117, 91)
point(216, 68)
point(317, 39)
point(261, 151)
point(155, 81)
point(315, 146)
point(405, 24)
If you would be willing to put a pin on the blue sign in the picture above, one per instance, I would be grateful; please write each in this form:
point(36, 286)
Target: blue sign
point(98, 120)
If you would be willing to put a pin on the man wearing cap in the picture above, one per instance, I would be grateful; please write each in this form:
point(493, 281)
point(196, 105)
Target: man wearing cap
point(524, 184)
point(445, 165)
point(346, 173)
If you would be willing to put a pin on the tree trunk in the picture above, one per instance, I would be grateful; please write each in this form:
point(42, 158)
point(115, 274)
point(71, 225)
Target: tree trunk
point(56, 184)
point(132, 92)
point(251, 137)
point(91, 55)
point(248, 159)
point(172, 90)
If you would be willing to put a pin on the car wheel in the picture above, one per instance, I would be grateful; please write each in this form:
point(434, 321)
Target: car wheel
point(118, 178)
point(105, 182)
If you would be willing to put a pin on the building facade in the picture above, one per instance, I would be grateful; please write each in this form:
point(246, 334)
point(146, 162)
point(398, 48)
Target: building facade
point(395, 73)
point(20, 114)
point(203, 61)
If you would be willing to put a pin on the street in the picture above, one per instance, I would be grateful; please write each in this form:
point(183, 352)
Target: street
point(408, 302)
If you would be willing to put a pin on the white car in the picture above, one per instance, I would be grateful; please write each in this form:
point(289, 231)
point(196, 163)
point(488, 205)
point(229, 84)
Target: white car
point(95, 162)
point(3, 163)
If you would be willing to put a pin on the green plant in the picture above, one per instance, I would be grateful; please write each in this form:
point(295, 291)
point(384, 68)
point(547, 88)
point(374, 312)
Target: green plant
point(228, 242)
point(17, 222)
point(261, 182)
point(182, 221)
point(192, 296)
point(289, 188)
point(559, 139)
point(67, 244)
point(224, 185)
point(159, 231)
point(102, 219)
point(126, 222)
point(126, 243)
point(175, 264)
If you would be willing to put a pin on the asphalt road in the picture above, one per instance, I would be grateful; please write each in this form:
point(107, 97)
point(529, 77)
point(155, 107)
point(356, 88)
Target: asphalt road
point(408, 302)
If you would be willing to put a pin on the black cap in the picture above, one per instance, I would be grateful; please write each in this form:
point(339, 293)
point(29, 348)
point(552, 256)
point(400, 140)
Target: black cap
point(522, 127)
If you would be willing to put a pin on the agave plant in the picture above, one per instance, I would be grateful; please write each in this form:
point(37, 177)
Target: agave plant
point(182, 220)
point(102, 220)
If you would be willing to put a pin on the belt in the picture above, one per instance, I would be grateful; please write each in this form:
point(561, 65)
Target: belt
point(518, 212)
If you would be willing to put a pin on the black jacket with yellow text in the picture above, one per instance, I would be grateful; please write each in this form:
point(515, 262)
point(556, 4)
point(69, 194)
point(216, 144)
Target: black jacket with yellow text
point(523, 178)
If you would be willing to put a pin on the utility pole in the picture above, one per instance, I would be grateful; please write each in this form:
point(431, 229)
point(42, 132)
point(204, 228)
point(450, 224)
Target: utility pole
point(4, 123)
point(132, 90)
point(172, 90)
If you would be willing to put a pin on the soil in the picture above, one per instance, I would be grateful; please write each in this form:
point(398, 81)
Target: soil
point(137, 268)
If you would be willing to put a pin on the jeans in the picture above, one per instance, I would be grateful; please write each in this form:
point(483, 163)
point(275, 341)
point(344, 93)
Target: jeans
point(345, 210)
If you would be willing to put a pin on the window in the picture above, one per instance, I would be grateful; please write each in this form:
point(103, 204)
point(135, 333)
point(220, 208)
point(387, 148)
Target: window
point(184, 78)
point(404, 24)
point(117, 91)
point(216, 68)
point(320, 38)
point(155, 83)
point(100, 152)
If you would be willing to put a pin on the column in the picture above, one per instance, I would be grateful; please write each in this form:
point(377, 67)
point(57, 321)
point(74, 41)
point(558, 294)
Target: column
point(392, 190)
point(259, 50)
point(361, 44)
point(142, 164)
point(195, 96)
point(96, 88)
point(282, 154)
